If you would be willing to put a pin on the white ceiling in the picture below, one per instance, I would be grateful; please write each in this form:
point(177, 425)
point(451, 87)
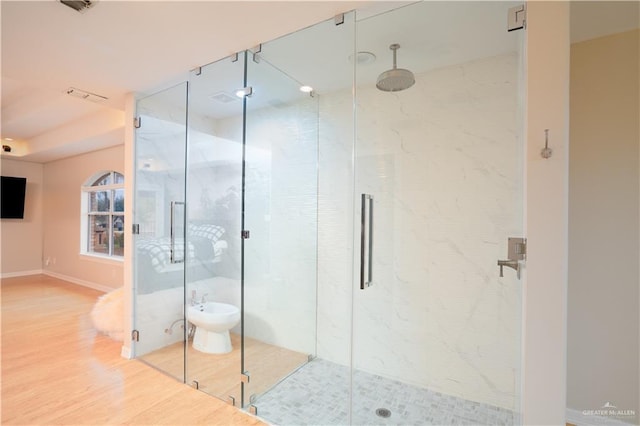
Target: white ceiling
point(119, 47)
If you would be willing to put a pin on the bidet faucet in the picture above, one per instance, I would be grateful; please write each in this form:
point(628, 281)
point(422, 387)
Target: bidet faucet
point(194, 299)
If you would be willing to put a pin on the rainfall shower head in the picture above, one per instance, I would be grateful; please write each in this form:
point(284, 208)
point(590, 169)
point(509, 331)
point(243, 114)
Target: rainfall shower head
point(395, 79)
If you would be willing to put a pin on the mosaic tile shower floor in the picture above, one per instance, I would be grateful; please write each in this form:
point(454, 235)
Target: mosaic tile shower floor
point(318, 394)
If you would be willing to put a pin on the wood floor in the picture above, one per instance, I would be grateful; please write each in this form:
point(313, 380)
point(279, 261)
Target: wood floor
point(56, 370)
point(219, 375)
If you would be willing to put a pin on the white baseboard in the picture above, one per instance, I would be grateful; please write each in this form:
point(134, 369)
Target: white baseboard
point(577, 418)
point(21, 273)
point(95, 286)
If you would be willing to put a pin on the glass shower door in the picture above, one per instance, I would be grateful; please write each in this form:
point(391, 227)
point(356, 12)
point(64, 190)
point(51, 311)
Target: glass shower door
point(436, 329)
point(214, 194)
point(159, 215)
point(280, 216)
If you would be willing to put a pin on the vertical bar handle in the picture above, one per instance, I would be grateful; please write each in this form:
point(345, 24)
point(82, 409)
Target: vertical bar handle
point(366, 241)
point(174, 257)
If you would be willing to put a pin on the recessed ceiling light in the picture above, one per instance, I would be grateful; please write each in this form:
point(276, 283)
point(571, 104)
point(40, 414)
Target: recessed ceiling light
point(306, 89)
point(8, 139)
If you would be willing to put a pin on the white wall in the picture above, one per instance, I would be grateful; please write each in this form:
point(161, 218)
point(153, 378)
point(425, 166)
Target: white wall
point(281, 212)
point(545, 284)
point(62, 182)
point(22, 238)
point(604, 223)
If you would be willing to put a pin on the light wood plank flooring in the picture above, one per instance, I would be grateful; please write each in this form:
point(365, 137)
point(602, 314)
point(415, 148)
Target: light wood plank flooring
point(220, 374)
point(56, 370)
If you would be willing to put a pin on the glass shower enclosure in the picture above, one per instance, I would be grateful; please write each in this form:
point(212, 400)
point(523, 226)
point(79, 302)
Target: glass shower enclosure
point(354, 230)
point(222, 187)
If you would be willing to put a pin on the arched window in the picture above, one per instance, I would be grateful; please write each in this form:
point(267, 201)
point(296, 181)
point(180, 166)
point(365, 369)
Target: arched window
point(103, 215)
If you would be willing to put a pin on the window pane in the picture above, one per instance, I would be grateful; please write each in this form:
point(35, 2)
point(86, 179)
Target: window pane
point(118, 200)
point(99, 201)
point(118, 235)
point(103, 180)
point(118, 177)
point(99, 234)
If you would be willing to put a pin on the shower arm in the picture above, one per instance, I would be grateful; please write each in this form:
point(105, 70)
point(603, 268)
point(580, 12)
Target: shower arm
point(394, 48)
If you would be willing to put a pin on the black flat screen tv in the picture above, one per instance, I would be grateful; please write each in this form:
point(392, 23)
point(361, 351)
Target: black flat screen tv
point(12, 193)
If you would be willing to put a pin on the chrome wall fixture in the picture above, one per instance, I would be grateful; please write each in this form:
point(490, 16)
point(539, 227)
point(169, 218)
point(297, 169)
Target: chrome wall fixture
point(516, 251)
point(395, 79)
point(546, 151)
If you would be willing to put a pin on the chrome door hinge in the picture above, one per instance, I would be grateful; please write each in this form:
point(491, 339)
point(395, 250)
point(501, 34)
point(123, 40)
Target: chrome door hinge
point(197, 70)
point(231, 400)
point(135, 335)
point(137, 122)
point(245, 377)
point(244, 92)
point(253, 410)
point(256, 53)
point(135, 229)
point(246, 234)
point(195, 384)
point(517, 18)
point(339, 19)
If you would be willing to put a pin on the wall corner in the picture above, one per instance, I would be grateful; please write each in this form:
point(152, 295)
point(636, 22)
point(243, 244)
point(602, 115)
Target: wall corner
point(544, 369)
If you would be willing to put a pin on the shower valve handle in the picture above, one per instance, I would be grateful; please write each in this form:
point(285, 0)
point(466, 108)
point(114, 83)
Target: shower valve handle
point(515, 264)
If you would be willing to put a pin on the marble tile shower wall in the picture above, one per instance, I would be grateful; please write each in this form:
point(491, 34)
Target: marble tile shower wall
point(443, 162)
point(281, 213)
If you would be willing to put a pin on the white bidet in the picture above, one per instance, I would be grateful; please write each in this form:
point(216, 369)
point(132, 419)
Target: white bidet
point(213, 322)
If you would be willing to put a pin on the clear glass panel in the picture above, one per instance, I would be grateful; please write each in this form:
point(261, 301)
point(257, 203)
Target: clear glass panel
point(118, 200)
point(160, 183)
point(99, 201)
point(118, 235)
point(436, 336)
point(281, 209)
point(99, 234)
point(214, 194)
point(298, 207)
point(118, 178)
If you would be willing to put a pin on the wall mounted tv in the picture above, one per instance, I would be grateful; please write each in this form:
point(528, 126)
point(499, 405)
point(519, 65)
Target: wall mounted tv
point(12, 192)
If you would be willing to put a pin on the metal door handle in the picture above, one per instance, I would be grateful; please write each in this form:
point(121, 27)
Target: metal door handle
point(366, 241)
point(173, 257)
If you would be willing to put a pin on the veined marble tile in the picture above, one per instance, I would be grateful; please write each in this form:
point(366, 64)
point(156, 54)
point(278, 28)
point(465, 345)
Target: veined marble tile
point(442, 161)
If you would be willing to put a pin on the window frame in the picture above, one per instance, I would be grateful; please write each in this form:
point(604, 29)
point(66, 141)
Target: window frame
point(92, 186)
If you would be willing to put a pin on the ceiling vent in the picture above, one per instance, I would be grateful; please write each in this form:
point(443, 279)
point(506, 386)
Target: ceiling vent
point(223, 97)
point(79, 5)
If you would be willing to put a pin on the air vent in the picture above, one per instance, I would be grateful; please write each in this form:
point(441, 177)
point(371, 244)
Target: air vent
point(79, 5)
point(223, 97)
point(87, 96)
